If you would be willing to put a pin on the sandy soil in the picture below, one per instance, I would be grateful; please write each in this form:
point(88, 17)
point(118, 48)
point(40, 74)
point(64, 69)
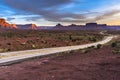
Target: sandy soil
point(100, 64)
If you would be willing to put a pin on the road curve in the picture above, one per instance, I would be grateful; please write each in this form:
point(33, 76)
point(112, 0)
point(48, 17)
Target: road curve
point(17, 56)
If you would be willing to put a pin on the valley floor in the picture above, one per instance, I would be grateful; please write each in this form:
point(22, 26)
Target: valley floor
point(97, 64)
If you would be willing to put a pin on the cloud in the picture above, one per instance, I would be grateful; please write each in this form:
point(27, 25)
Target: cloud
point(10, 19)
point(49, 10)
point(107, 14)
point(32, 18)
point(36, 4)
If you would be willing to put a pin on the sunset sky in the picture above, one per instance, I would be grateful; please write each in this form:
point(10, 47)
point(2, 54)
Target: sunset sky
point(51, 12)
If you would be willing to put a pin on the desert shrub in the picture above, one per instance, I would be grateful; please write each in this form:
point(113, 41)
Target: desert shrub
point(70, 37)
point(91, 47)
point(9, 44)
point(92, 39)
point(74, 40)
point(8, 49)
point(53, 45)
point(29, 41)
point(86, 50)
point(99, 46)
point(114, 44)
point(24, 43)
point(44, 42)
point(116, 51)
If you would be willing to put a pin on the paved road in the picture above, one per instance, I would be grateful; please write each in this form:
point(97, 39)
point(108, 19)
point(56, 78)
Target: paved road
point(17, 56)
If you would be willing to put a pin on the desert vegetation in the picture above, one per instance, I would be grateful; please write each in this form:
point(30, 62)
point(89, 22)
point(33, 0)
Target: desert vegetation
point(13, 40)
point(89, 63)
point(116, 46)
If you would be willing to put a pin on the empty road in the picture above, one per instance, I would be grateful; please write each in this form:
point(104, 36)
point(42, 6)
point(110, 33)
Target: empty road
point(17, 56)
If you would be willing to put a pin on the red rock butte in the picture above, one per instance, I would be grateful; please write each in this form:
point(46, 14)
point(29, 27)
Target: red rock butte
point(34, 26)
point(4, 24)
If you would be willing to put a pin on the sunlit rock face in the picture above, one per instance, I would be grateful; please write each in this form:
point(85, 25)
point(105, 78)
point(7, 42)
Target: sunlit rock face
point(4, 24)
point(34, 26)
point(14, 26)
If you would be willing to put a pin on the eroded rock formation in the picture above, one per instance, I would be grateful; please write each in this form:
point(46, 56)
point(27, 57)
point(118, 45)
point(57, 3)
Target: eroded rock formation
point(5, 24)
point(34, 26)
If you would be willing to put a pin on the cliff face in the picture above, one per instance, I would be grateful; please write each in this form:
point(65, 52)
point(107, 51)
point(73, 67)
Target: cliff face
point(34, 26)
point(5, 24)
point(14, 26)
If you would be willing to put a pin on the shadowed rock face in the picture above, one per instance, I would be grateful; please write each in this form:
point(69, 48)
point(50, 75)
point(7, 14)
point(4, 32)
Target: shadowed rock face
point(27, 26)
point(59, 25)
point(5, 24)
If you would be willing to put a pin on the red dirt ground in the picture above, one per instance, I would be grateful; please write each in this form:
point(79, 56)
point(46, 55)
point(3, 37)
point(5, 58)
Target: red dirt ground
point(99, 64)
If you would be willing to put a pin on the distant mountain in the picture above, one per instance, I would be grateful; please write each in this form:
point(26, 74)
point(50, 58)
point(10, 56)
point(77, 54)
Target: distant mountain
point(95, 24)
point(87, 26)
point(4, 24)
point(28, 26)
point(59, 25)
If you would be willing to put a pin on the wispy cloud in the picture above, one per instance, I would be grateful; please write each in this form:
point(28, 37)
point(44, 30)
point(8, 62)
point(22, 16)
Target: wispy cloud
point(107, 15)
